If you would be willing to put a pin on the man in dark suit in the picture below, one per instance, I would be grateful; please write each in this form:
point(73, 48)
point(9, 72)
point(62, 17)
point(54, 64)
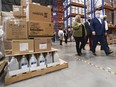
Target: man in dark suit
point(98, 30)
point(88, 37)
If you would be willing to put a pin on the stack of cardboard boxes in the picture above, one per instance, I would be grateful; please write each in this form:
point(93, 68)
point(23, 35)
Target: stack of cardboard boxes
point(30, 21)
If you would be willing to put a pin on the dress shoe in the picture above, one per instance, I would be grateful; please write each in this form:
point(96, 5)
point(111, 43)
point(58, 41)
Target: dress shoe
point(90, 49)
point(109, 53)
point(79, 54)
point(94, 54)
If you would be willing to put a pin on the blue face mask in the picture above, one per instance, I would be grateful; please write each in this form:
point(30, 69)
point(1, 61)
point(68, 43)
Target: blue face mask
point(98, 15)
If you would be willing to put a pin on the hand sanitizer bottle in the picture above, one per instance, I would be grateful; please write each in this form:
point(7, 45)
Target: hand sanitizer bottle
point(13, 64)
point(24, 62)
point(33, 61)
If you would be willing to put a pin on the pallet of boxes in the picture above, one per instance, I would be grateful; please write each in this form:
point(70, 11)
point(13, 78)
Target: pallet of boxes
point(28, 38)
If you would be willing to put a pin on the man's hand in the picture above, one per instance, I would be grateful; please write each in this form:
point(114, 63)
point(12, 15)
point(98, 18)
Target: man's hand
point(106, 34)
point(80, 24)
point(93, 33)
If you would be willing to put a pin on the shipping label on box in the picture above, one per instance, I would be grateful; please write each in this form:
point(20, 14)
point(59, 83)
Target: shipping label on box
point(36, 29)
point(37, 12)
point(16, 29)
point(25, 2)
point(22, 46)
point(17, 11)
point(42, 44)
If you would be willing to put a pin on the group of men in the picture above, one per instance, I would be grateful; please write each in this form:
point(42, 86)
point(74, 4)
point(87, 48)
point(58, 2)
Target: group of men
point(97, 32)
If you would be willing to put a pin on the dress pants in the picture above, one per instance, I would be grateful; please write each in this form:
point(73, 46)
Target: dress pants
point(106, 42)
point(60, 42)
point(88, 37)
point(102, 40)
point(79, 44)
point(66, 39)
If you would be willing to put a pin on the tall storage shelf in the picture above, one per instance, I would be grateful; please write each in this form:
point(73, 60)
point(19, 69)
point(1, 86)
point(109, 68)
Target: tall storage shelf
point(58, 14)
point(107, 7)
point(73, 8)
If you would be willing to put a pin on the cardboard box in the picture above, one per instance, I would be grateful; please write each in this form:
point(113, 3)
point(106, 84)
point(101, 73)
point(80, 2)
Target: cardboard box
point(22, 46)
point(36, 29)
point(6, 15)
point(17, 11)
point(24, 12)
point(42, 44)
point(16, 29)
point(25, 2)
point(36, 12)
point(7, 45)
point(0, 18)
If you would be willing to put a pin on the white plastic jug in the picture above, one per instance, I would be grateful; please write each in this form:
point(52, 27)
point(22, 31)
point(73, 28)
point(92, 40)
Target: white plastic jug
point(24, 62)
point(41, 60)
point(33, 61)
point(49, 58)
point(13, 64)
point(56, 57)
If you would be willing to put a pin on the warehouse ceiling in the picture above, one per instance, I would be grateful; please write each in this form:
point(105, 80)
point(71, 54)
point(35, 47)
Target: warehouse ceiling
point(7, 4)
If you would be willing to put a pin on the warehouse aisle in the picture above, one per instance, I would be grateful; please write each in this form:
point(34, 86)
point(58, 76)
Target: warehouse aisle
point(82, 72)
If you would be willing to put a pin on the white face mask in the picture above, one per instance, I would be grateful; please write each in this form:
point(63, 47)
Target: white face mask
point(101, 16)
point(98, 15)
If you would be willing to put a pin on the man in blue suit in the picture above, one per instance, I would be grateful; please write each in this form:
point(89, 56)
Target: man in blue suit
point(98, 30)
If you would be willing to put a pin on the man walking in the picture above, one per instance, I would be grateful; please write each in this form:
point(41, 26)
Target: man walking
point(98, 30)
point(88, 37)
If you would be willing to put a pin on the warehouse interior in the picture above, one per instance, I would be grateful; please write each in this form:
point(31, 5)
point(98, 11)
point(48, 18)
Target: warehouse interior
point(33, 52)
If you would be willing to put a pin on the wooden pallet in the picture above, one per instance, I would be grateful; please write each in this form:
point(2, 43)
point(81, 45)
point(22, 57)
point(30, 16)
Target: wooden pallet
point(10, 55)
point(3, 64)
point(13, 79)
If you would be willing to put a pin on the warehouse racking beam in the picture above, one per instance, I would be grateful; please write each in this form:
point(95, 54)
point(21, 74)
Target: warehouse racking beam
point(103, 7)
point(58, 11)
point(0, 5)
point(85, 10)
point(73, 15)
point(75, 4)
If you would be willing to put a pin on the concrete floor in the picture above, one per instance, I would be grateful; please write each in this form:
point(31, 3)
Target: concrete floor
point(79, 73)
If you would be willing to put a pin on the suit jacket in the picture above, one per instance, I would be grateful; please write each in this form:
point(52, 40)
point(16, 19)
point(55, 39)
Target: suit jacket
point(87, 26)
point(98, 27)
point(78, 29)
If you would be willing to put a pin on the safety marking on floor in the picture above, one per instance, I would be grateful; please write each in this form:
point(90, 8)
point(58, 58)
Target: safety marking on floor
point(108, 69)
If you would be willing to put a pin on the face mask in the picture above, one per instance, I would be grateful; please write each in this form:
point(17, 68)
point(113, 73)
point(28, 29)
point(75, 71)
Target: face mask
point(98, 15)
point(101, 16)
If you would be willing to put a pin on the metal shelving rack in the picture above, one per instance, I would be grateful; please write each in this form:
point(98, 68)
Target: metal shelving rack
point(102, 7)
point(58, 15)
point(69, 14)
